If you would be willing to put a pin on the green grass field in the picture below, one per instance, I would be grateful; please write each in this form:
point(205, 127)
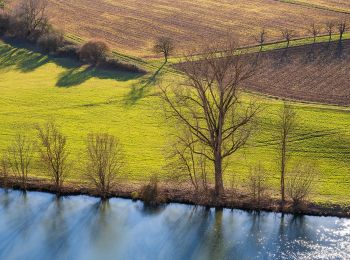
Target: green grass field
point(35, 88)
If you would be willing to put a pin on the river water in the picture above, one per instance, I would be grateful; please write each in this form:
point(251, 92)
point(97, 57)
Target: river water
point(39, 226)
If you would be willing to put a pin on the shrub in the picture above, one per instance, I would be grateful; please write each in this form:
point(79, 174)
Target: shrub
point(4, 23)
point(257, 183)
point(134, 195)
point(300, 181)
point(149, 192)
point(114, 64)
point(93, 52)
point(50, 42)
point(70, 51)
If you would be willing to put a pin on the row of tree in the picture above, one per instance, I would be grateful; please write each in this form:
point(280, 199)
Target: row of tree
point(104, 159)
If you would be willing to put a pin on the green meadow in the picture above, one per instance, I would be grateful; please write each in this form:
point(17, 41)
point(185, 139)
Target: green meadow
point(35, 88)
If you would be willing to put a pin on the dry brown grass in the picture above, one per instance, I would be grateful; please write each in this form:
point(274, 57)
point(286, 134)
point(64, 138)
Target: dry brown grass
point(132, 25)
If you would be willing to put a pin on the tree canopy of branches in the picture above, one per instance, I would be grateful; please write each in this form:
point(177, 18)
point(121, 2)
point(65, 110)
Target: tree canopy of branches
point(300, 181)
point(20, 155)
point(33, 15)
point(261, 39)
point(315, 30)
point(330, 30)
point(288, 35)
point(164, 45)
point(54, 153)
point(287, 123)
point(342, 27)
point(209, 105)
point(104, 161)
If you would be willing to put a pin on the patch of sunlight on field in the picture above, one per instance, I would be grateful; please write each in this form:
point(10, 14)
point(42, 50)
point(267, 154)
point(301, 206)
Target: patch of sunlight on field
point(35, 88)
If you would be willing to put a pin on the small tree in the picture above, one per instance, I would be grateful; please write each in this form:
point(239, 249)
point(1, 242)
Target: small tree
point(93, 52)
point(257, 182)
point(54, 153)
point(330, 30)
point(104, 162)
point(188, 164)
point(315, 30)
point(32, 15)
point(342, 27)
point(51, 42)
point(286, 125)
point(164, 45)
point(4, 169)
point(261, 39)
point(20, 154)
point(288, 35)
point(300, 181)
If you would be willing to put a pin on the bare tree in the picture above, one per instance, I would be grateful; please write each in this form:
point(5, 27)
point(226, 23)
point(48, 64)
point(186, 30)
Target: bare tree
point(104, 161)
point(4, 169)
point(33, 14)
point(286, 125)
point(330, 25)
point(288, 35)
point(300, 181)
point(164, 45)
point(54, 153)
point(342, 27)
point(261, 39)
point(257, 182)
point(209, 106)
point(315, 30)
point(188, 164)
point(20, 154)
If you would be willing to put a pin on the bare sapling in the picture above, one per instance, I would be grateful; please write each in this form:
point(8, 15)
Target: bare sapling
point(300, 182)
point(286, 126)
point(104, 162)
point(54, 153)
point(20, 155)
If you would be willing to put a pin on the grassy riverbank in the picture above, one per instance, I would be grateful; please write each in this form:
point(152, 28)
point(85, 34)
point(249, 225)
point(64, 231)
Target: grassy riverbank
point(36, 88)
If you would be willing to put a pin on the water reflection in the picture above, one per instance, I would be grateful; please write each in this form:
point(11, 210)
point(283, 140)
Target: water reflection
point(41, 226)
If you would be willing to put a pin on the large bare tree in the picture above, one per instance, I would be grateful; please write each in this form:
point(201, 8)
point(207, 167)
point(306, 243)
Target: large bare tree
point(209, 106)
point(286, 125)
point(54, 153)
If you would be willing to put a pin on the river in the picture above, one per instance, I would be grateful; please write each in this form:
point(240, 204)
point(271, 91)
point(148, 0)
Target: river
point(38, 226)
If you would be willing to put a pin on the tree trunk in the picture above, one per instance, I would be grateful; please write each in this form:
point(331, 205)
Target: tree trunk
point(219, 185)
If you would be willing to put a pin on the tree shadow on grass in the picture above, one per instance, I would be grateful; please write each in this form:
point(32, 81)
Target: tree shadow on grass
point(141, 88)
point(26, 58)
point(78, 75)
point(22, 59)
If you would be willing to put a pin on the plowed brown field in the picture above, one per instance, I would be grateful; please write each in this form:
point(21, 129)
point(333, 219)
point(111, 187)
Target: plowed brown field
point(304, 73)
point(132, 25)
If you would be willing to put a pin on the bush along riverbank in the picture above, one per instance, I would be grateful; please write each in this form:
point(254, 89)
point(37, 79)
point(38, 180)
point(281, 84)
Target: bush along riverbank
point(158, 194)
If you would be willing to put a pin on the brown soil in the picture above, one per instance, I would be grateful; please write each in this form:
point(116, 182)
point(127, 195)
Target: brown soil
point(131, 26)
point(184, 194)
point(308, 73)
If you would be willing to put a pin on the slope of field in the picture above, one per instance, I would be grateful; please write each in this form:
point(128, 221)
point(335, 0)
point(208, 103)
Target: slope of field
point(131, 26)
point(311, 73)
point(332, 5)
point(35, 88)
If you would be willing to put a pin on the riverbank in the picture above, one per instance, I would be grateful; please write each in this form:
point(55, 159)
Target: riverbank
point(184, 195)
